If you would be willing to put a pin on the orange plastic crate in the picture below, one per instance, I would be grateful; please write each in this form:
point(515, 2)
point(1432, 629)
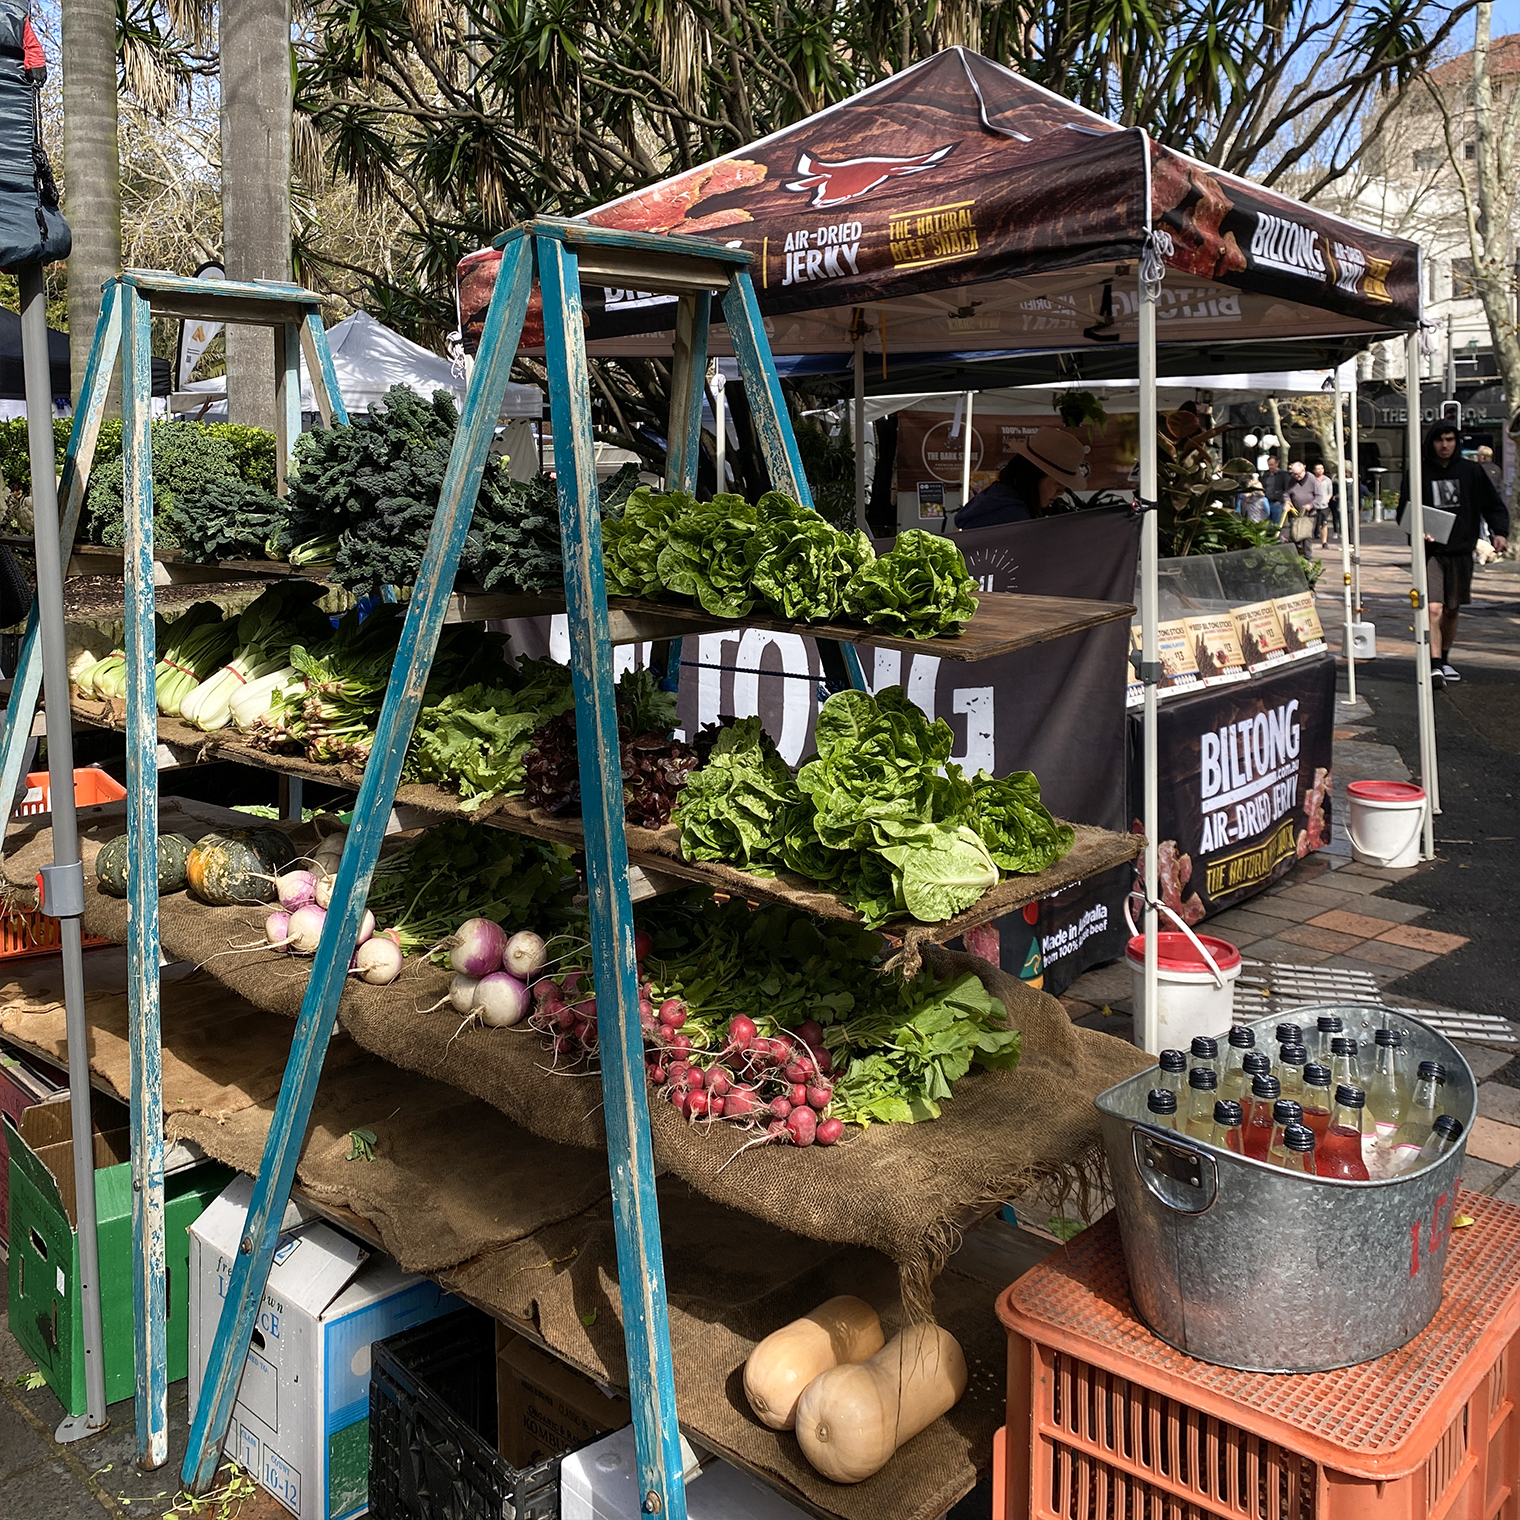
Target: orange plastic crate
point(24, 931)
point(1105, 1422)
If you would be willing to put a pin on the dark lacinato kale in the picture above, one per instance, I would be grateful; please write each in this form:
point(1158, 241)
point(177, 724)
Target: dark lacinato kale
point(224, 519)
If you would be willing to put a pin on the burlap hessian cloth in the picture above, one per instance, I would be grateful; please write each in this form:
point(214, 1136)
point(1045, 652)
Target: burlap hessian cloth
point(904, 1190)
point(523, 1228)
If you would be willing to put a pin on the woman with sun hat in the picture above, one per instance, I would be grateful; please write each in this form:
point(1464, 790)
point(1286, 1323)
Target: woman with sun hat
point(1042, 466)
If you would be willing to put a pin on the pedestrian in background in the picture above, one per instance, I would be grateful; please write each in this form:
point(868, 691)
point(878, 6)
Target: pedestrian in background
point(1298, 509)
point(1324, 505)
point(1274, 482)
point(1460, 486)
point(1253, 501)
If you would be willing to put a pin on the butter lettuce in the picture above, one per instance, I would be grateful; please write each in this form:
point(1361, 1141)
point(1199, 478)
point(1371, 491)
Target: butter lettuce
point(921, 589)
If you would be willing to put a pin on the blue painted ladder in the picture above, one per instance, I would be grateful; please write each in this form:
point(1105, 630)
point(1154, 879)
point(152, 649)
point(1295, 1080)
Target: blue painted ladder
point(564, 254)
point(125, 330)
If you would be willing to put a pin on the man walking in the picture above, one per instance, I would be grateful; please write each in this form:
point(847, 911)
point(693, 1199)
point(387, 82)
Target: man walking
point(1324, 504)
point(1460, 486)
point(1298, 509)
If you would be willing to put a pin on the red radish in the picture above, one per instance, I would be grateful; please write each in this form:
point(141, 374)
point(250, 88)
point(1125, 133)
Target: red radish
point(586, 1008)
point(562, 1018)
point(802, 1126)
point(718, 1081)
point(670, 1008)
point(657, 1074)
point(643, 943)
point(777, 1130)
point(565, 1045)
point(646, 1008)
point(741, 1031)
point(715, 1107)
point(829, 1131)
point(780, 1108)
point(681, 1043)
point(798, 1095)
point(799, 1070)
point(824, 1061)
point(696, 1077)
point(393, 935)
point(546, 990)
point(572, 982)
point(678, 1069)
point(477, 947)
point(696, 1105)
point(678, 1100)
point(810, 1033)
point(740, 1102)
point(820, 1095)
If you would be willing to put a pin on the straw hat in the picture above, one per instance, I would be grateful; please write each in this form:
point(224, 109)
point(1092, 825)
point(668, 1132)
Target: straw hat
point(1058, 454)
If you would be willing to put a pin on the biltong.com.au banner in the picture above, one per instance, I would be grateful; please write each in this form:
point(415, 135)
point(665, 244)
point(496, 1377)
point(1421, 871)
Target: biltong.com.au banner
point(1245, 785)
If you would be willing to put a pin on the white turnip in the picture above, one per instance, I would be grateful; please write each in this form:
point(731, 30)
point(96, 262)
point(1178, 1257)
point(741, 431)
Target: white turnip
point(322, 892)
point(500, 1000)
point(306, 929)
point(295, 889)
point(378, 961)
point(524, 955)
point(277, 929)
point(366, 929)
point(462, 994)
point(477, 947)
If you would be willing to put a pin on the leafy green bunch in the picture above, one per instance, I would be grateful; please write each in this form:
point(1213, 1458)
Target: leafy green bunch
point(918, 591)
point(736, 807)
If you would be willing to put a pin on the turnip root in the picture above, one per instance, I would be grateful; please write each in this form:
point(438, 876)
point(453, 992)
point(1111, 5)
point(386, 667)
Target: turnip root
point(500, 1000)
point(295, 889)
point(462, 993)
point(322, 891)
point(277, 929)
point(306, 929)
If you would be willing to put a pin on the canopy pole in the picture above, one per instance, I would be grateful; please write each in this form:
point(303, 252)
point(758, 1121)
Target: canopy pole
point(966, 448)
point(1356, 491)
point(720, 426)
point(860, 422)
point(1346, 505)
point(1415, 490)
point(64, 896)
point(1146, 1034)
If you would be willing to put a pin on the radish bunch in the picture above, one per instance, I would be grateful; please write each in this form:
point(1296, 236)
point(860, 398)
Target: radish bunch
point(776, 1085)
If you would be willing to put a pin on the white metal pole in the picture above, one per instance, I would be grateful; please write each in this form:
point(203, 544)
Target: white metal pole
point(1346, 505)
point(1356, 491)
point(720, 427)
point(966, 447)
point(1147, 1034)
point(1415, 488)
point(860, 426)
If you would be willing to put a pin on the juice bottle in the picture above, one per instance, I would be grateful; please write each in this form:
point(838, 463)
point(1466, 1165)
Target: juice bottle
point(1173, 1066)
point(1289, 1034)
point(1203, 1081)
point(1298, 1150)
point(1410, 1137)
point(1388, 1094)
point(1345, 1062)
point(1161, 1105)
point(1444, 1134)
point(1285, 1112)
point(1326, 1027)
point(1339, 1154)
point(1257, 1135)
point(1316, 1098)
point(1291, 1060)
point(1228, 1118)
point(1232, 1078)
point(1204, 1052)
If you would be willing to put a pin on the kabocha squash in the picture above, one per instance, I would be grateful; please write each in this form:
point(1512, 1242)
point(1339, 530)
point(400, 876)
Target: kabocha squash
point(844, 1329)
point(235, 867)
point(852, 1418)
point(111, 864)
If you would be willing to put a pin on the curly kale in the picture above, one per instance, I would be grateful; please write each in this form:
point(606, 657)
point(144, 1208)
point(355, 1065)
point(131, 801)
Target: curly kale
point(514, 542)
point(188, 459)
point(224, 519)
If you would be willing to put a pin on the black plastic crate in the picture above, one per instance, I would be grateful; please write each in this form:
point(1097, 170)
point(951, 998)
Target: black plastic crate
point(432, 1430)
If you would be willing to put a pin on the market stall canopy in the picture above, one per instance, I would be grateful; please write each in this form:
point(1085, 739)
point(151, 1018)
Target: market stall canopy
point(959, 208)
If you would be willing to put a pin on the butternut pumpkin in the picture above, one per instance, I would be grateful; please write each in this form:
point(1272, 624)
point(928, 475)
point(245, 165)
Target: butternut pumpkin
point(852, 1418)
point(844, 1329)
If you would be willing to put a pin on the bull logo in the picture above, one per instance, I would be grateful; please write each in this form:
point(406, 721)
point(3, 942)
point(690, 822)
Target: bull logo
point(848, 179)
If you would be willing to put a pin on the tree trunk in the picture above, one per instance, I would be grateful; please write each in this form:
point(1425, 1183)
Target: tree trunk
point(92, 168)
point(255, 68)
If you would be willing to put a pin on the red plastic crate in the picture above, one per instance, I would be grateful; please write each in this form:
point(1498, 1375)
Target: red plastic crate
point(24, 931)
point(1106, 1422)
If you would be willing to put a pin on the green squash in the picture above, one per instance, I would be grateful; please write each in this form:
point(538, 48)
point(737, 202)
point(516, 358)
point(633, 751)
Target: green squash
point(237, 866)
point(111, 864)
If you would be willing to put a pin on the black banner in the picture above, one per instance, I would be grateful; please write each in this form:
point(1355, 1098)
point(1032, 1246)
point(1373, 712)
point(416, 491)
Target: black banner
point(1245, 784)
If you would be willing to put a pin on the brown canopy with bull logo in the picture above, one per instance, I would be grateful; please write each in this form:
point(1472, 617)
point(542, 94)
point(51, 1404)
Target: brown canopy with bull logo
point(959, 208)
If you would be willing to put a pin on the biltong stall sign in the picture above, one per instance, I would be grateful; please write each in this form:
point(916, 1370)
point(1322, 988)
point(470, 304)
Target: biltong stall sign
point(1245, 785)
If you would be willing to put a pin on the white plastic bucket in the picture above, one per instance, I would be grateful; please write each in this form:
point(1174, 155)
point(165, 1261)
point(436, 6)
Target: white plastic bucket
point(1192, 997)
point(1386, 820)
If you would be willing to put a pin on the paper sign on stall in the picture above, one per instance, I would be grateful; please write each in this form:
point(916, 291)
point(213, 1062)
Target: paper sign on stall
point(1261, 634)
point(1302, 633)
point(1216, 648)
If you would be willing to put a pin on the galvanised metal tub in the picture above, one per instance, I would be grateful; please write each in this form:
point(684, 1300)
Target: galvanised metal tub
point(1242, 1264)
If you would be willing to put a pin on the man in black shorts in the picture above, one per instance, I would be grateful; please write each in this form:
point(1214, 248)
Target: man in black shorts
point(1457, 485)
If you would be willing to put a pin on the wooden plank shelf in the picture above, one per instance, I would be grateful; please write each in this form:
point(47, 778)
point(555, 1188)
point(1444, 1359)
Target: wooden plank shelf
point(656, 852)
point(1005, 621)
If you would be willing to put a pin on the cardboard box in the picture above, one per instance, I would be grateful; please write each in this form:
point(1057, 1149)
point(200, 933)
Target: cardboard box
point(21, 1087)
point(45, 1311)
point(544, 1407)
point(301, 1421)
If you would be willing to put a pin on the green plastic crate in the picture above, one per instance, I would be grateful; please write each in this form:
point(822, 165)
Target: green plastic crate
point(45, 1314)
